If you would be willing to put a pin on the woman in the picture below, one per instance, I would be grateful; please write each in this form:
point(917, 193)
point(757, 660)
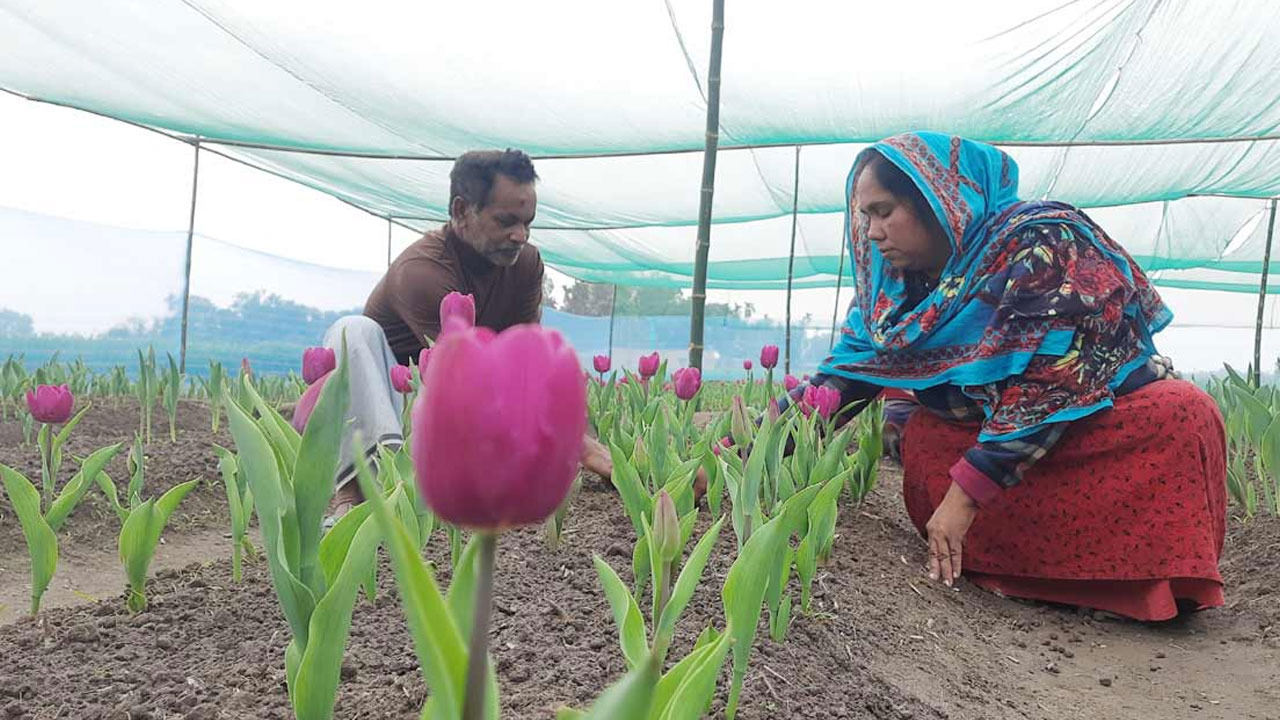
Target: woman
point(1056, 459)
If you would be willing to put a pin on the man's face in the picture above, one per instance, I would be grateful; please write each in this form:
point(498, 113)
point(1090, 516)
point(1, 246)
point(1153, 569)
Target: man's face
point(499, 230)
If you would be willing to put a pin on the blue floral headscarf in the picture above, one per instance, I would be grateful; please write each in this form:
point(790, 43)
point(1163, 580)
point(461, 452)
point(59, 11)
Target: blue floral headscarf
point(1005, 296)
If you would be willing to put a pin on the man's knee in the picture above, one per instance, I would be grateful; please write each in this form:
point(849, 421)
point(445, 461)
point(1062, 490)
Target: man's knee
point(357, 328)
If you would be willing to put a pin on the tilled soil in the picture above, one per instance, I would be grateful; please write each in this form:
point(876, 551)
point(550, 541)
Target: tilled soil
point(94, 523)
point(881, 640)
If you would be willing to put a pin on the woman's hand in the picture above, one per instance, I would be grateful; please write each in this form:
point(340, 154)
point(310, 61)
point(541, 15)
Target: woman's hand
point(946, 531)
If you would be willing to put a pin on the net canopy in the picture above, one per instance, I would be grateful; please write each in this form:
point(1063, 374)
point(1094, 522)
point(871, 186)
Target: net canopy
point(1160, 117)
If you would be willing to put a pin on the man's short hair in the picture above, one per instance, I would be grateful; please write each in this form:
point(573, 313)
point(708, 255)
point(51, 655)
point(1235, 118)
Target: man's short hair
point(473, 173)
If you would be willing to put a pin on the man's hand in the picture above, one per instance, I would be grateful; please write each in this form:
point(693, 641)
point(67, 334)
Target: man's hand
point(596, 458)
point(946, 530)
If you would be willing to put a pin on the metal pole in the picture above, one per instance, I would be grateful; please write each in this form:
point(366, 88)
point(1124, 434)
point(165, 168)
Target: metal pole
point(388, 242)
point(613, 311)
point(835, 312)
point(698, 313)
point(186, 273)
point(1262, 298)
point(791, 258)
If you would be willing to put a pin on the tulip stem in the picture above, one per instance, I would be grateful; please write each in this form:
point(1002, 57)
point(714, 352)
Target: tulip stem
point(478, 653)
point(44, 439)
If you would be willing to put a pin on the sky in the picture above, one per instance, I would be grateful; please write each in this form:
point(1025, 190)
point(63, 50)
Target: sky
point(67, 174)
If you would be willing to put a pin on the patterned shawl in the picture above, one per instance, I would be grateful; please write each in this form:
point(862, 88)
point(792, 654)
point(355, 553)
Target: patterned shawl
point(1037, 310)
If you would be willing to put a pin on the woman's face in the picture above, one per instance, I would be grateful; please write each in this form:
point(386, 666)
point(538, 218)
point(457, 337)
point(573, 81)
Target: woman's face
point(907, 241)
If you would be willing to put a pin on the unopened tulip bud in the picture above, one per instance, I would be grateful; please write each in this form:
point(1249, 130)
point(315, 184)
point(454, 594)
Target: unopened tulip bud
point(498, 430)
point(457, 307)
point(739, 423)
point(649, 365)
point(666, 527)
point(687, 381)
point(401, 379)
point(769, 357)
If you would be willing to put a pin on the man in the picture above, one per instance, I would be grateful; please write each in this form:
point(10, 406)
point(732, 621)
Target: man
point(483, 251)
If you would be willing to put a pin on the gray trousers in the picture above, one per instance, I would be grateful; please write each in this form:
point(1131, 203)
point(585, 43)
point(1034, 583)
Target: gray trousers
point(374, 411)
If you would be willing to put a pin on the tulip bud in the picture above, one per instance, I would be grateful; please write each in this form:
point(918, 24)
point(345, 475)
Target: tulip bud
point(50, 403)
point(649, 365)
point(769, 357)
point(459, 307)
point(245, 369)
point(498, 429)
point(640, 457)
point(790, 383)
point(316, 361)
point(739, 423)
point(746, 365)
point(424, 357)
point(402, 379)
point(601, 363)
point(774, 412)
point(687, 381)
point(666, 527)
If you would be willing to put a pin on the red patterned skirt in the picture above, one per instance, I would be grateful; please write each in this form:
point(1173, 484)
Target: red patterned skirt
point(1126, 514)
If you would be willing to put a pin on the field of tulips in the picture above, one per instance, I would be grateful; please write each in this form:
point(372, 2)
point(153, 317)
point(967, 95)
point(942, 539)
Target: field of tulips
point(743, 561)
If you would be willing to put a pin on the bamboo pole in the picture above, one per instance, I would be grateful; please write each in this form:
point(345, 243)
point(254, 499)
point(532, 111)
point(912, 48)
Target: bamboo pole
point(791, 258)
point(698, 313)
point(835, 311)
point(186, 272)
point(1262, 298)
point(613, 312)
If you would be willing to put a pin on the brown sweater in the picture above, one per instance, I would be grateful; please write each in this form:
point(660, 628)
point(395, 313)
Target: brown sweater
point(406, 303)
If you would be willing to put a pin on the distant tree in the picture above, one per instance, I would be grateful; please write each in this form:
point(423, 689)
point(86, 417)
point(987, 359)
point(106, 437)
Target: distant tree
point(15, 324)
point(596, 299)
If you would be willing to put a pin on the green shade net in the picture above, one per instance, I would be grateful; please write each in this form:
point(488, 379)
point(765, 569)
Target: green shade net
point(1131, 108)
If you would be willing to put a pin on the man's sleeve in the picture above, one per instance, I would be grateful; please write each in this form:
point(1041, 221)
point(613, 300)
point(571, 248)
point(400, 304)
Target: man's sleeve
point(415, 289)
point(529, 305)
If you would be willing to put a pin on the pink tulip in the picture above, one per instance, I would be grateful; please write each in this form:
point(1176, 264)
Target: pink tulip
point(821, 398)
point(456, 309)
point(307, 403)
point(601, 363)
point(649, 365)
point(769, 357)
point(51, 403)
point(423, 358)
point(687, 382)
point(715, 449)
point(402, 379)
point(790, 383)
point(316, 361)
point(498, 429)
point(244, 366)
point(624, 380)
point(746, 365)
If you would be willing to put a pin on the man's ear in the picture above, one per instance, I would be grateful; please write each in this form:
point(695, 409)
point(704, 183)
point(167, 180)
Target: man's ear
point(457, 208)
